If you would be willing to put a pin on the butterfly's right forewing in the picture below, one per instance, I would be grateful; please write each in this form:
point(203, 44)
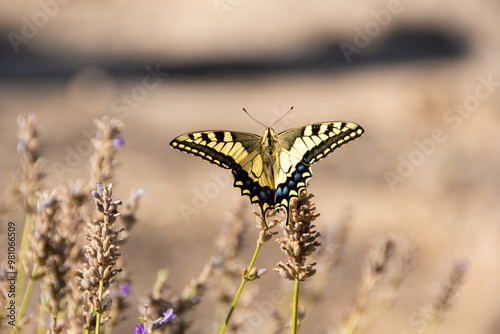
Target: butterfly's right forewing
point(304, 146)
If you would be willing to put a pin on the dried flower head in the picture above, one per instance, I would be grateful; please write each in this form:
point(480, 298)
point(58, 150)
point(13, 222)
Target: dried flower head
point(101, 253)
point(265, 234)
point(105, 144)
point(29, 149)
point(44, 235)
point(54, 250)
point(448, 292)
point(72, 198)
point(300, 239)
point(387, 264)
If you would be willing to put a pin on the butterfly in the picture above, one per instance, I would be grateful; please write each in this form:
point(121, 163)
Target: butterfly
point(272, 169)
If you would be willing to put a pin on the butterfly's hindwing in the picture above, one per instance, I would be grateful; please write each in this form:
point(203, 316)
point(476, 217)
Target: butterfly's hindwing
point(250, 187)
point(291, 187)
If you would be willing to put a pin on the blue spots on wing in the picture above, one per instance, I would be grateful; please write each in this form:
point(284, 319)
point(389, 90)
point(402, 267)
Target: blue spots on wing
point(270, 194)
point(266, 195)
point(285, 190)
point(252, 188)
point(263, 195)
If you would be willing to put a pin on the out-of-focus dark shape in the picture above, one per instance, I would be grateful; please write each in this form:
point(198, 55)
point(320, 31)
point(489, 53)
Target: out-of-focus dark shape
point(399, 46)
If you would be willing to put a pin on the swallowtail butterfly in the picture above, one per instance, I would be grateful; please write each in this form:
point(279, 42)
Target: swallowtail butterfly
point(271, 169)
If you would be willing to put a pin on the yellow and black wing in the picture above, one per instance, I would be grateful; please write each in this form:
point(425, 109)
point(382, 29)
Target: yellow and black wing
point(301, 147)
point(273, 174)
point(238, 151)
point(222, 148)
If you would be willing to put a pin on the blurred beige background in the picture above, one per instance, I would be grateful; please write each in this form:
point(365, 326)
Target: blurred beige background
point(422, 78)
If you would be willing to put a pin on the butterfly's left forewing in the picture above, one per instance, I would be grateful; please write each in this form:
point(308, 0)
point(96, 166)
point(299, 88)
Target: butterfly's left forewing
point(222, 148)
point(237, 151)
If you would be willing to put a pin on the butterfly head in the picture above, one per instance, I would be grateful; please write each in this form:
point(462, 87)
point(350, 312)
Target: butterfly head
point(268, 138)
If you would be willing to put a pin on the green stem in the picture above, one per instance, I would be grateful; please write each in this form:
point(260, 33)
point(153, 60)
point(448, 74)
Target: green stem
point(295, 306)
point(26, 297)
point(21, 274)
point(242, 285)
point(99, 312)
point(431, 326)
point(41, 317)
point(356, 314)
point(351, 323)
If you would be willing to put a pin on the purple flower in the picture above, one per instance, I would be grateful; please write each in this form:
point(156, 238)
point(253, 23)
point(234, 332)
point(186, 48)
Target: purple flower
point(100, 189)
point(169, 315)
point(125, 289)
point(140, 329)
point(118, 141)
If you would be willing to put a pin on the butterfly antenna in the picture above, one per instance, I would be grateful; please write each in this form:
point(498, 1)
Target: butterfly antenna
point(282, 117)
point(253, 118)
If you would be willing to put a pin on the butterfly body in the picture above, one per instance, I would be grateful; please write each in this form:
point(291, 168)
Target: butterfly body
point(271, 169)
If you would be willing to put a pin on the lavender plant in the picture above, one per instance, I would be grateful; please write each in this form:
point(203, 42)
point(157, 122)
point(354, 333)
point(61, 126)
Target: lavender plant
point(65, 238)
